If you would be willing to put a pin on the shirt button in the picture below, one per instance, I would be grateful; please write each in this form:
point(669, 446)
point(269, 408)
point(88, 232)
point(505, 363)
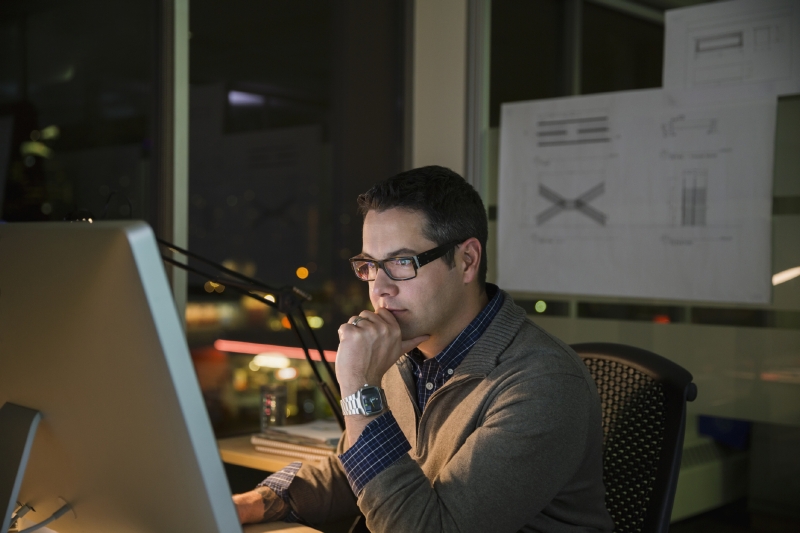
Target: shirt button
point(450, 371)
point(429, 386)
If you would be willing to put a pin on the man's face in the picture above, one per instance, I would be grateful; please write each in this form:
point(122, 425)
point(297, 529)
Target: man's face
point(423, 305)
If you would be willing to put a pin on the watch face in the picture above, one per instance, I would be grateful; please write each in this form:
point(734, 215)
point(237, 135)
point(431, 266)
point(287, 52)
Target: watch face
point(371, 400)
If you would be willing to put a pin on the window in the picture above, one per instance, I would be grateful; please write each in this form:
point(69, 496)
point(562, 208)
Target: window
point(296, 108)
point(77, 101)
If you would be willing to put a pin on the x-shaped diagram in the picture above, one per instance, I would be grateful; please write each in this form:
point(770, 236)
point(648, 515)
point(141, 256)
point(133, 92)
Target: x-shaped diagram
point(580, 204)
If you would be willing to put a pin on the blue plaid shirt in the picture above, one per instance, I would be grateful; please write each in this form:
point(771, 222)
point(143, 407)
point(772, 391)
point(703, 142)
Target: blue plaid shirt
point(382, 442)
point(433, 373)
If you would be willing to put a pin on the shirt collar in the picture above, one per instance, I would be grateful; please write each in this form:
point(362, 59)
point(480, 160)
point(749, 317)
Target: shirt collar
point(454, 353)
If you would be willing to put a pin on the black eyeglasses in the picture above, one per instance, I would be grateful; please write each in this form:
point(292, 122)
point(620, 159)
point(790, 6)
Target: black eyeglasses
point(398, 268)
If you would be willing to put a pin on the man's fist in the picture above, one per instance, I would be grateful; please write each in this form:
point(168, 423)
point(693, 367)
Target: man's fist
point(260, 505)
point(369, 348)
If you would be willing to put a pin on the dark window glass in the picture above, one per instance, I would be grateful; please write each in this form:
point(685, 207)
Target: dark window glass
point(295, 109)
point(620, 52)
point(76, 108)
point(526, 45)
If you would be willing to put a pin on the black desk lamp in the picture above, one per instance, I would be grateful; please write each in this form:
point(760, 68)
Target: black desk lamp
point(288, 300)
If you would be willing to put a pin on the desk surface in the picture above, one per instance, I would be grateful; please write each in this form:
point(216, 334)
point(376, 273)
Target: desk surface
point(239, 451)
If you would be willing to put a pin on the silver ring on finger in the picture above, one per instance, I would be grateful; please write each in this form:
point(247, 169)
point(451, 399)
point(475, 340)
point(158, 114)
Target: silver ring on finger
point(357, 319)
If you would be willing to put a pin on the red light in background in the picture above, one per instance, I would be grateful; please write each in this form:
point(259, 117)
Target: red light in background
point(255, 348)
point(661, 319)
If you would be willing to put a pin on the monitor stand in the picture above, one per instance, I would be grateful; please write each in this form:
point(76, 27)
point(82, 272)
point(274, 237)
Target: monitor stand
point(17, 429)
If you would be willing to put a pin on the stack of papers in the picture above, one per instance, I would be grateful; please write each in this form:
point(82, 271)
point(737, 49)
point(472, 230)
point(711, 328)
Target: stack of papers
point(314, 441)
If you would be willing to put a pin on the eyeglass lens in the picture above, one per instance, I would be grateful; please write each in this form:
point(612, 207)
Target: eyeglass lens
point(398, 268)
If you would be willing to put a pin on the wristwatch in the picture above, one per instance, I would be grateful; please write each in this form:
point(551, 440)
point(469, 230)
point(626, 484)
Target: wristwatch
point(369, 400)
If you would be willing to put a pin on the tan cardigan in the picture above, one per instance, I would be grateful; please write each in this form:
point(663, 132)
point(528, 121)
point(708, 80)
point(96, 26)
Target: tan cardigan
point(512, 442)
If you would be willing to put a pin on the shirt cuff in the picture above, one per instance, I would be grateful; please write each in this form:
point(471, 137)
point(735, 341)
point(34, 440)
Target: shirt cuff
point(380, 444)
point(279, 482)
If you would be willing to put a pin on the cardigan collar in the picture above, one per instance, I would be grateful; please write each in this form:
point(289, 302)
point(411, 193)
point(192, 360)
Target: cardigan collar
point(484, 356)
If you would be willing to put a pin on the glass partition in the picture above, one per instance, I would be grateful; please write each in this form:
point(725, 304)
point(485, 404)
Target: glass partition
point(745, 358)
point(295, 109)
point(619, 52)
point(77, 101)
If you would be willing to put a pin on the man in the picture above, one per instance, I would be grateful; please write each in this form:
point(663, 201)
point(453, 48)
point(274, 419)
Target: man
point(488, 423)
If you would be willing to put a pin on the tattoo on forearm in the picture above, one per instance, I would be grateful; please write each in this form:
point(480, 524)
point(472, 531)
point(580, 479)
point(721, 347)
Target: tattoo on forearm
point(274, 506)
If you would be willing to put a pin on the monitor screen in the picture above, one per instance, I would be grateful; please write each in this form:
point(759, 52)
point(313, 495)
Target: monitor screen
point(90, 338)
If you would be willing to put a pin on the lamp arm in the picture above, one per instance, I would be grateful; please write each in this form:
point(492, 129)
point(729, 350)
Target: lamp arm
point(326, 391)
point(247, 290)
point(320, 350)
point(289, 301)
point(221, 268)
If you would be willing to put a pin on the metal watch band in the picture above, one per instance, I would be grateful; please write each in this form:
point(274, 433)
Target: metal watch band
point(352, 405)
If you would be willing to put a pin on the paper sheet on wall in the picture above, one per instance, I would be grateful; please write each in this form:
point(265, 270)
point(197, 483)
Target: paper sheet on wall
point(745, 43)
point(637, 194)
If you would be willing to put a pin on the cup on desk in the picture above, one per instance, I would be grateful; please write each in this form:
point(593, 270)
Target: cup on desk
point(273, 406)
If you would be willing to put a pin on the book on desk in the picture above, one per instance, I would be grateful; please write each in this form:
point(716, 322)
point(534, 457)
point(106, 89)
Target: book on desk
point(314, 441)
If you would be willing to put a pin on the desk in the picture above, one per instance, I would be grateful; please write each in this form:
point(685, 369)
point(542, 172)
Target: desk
point(238, 451)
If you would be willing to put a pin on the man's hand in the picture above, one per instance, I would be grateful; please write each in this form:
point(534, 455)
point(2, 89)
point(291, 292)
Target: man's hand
point(369, 349)
point(366, 352)
point(260, 505)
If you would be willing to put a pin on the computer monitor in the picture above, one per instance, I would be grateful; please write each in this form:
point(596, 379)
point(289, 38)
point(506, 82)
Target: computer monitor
point(90, 338)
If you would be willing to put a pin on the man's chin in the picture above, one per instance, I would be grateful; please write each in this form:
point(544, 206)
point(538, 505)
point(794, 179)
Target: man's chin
point(407, 333)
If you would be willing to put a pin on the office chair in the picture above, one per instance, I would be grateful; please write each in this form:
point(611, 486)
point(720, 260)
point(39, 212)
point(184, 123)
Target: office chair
point(644, 400)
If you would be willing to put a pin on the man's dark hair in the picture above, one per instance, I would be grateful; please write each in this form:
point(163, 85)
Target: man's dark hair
point(453, 209)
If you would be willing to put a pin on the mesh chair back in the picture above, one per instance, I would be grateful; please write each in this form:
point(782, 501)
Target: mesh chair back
point(644, 399)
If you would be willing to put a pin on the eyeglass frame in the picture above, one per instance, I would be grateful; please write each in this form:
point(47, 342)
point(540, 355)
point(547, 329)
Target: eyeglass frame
point(418, 261)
